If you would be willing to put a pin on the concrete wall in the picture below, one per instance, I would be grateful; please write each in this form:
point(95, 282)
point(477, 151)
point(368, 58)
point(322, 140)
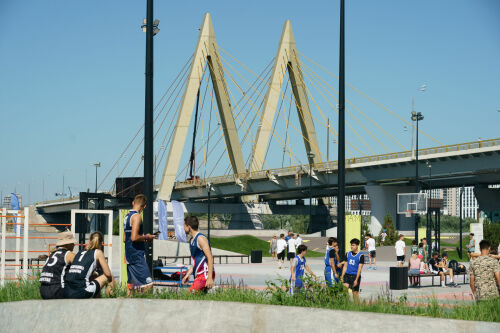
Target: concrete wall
point(136, 315)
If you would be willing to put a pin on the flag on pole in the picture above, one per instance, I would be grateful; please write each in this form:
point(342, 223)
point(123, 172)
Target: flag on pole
point(162, 220)
point(178, 213)
point(14, 204)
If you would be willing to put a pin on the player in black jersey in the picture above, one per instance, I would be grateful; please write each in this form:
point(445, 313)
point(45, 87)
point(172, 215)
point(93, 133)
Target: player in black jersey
point(79, 283)
point(56, 266)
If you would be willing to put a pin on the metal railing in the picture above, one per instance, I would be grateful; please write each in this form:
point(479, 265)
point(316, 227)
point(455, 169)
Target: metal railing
point(332, 165)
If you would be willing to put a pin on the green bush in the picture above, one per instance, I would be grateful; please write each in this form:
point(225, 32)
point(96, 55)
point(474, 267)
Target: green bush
point(392, 235)
point(449, 223)
point(491, 232)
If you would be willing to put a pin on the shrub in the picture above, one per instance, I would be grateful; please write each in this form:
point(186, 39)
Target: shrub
point(491, 232)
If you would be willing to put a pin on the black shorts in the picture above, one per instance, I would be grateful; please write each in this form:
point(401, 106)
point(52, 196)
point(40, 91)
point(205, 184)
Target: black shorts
point(373, 254)
point(92, 290)
point(281, 255)
point(290, 255)
point(51, 291)
point(349, 279)
point(400, 258)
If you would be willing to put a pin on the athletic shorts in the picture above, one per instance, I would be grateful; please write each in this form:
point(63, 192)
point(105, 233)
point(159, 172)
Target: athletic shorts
point(373, 254)
point(400, 258)
point(290, 255)
point(349, 279)
point(281, 255)
point(296, 285)
point(92, 290)
point(330, 276)
point(138, 274)
point(200, 282)
point(51, 291)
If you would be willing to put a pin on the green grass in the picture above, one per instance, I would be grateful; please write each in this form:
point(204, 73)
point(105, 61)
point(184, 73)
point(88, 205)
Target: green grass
point(315, 296)
point(245, 243)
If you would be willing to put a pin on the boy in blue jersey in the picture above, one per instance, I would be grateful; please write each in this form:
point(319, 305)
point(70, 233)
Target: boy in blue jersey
point(297, 269)
point(333, 266)
point(139, 276)
point(351, 273)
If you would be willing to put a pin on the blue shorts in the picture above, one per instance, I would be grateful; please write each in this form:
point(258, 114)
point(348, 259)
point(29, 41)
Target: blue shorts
point(295, 286)
point(138, 274)
point(330, 276)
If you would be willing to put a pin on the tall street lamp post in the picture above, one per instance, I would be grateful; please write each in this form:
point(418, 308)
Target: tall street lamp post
point(151, 29)
point(310, 156)
point(97, 165)
point(416, 116)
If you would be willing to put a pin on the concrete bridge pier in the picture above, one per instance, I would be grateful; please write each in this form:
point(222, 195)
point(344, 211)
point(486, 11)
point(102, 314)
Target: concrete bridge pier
point(383, 200)
point(248, 217)
point(488, 200)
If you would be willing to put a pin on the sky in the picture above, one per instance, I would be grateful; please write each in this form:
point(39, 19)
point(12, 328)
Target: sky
point(72, 73)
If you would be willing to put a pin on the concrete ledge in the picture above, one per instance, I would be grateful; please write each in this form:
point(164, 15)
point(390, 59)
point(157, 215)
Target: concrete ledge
point(135, 315)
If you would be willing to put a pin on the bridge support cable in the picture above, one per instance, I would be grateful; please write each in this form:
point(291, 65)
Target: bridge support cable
point(257, 110)
point(334, 108)
point(368, 118)
point(158, 112)
point(264, 120)
point(252, 93)
point(374, 101)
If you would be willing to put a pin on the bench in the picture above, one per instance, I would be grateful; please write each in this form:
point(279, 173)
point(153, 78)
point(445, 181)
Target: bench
point(218, 256)
point(464, 274)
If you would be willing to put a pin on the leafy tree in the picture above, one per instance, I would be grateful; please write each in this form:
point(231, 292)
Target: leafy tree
point(392, 235)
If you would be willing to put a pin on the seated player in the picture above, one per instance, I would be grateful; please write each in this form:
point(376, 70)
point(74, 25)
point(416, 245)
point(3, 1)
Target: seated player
point(77, 281)
point(56, 266)
point(351, 273)
point(440, 267)
point(203, 261)
point(297, 269)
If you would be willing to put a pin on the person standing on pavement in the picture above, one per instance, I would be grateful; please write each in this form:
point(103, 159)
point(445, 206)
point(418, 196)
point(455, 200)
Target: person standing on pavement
point(485, 274)
point(280, 249)
point(351, 273)
point(291, 248)
point(298, 240)
point(471, 248)
point(383, 235)
point(272, 247)
point(372, 253)
point(400, 250)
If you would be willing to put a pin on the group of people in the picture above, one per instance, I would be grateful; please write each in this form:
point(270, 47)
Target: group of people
point(84, 274)
point(288, 245)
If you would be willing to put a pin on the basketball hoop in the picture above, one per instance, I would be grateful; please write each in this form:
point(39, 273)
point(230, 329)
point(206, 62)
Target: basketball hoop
point(409, 213)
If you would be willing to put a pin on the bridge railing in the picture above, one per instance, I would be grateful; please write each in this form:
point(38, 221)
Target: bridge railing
point(333, 165)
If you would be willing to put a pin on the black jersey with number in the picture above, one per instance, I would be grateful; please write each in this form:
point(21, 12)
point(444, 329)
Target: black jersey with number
point(55, 268)
point(81, 269)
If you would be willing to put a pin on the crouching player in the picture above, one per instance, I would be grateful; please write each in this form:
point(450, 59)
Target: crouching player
point(333, 267)
point(56, 266)
point(351, 274)
point(298, 267)
point(85, 263)
point(203, 261)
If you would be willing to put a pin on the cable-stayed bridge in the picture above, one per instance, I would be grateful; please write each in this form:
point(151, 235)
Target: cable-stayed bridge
point(252, 138)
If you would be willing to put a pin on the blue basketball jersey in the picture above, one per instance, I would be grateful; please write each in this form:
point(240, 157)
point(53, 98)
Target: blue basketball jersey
point(299, 268)
point(132, 249)
point(352, 263)
point(200, 262)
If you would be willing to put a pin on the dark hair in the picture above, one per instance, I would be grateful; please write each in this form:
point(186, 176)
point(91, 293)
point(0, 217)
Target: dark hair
point(484, 244)
point(471, 234)
point(301, 248)
point(414, 242)
point(415, 252)
point(444, 254)
point(401, 235)
point(355, 241)
point(192, 221)
point(369, 235)
point(435, 254)
point(332, 240)
point(282, 235)
point(291, 234)
point(421, 245)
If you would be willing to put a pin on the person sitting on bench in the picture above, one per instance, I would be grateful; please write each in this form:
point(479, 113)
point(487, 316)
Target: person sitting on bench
point(440, 267)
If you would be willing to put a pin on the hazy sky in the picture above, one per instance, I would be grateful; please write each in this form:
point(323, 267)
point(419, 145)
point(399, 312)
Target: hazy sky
point(72, 73)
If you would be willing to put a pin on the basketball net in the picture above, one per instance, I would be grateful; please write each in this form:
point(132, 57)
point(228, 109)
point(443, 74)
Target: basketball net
point(409, 213)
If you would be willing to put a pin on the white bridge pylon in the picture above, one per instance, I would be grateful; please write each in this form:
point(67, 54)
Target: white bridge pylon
point(207, 53)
